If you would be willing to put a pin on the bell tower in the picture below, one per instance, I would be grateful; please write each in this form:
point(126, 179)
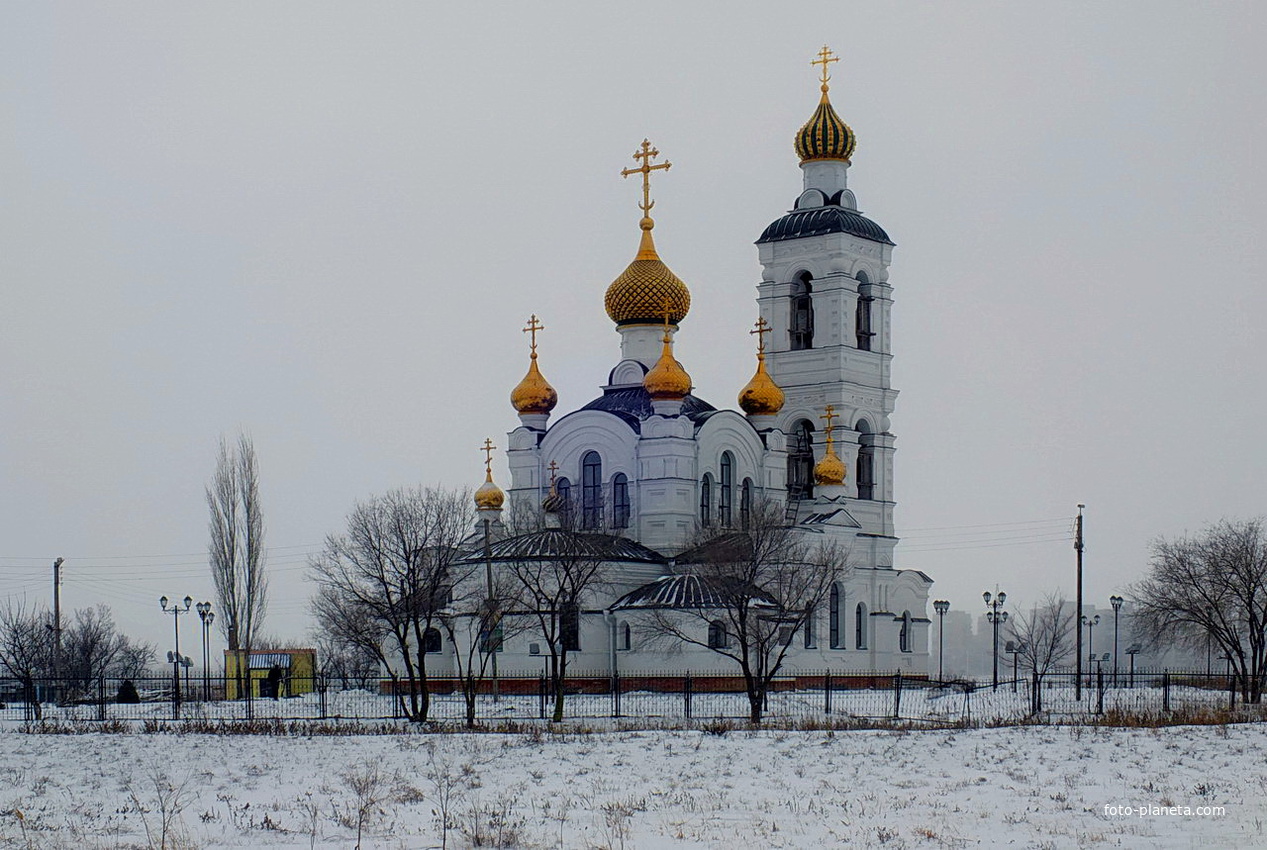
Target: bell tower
point(825, 293)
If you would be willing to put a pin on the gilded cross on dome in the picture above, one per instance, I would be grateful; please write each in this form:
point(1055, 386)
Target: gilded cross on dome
point(762, 328)
point(830, 416)
point(533, 326)
point(825, 57)
point(646, 153)
point(554, 468)
point(488, 448)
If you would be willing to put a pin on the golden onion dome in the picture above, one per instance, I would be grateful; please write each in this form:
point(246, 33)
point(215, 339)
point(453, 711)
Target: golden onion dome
point(534, 393)
point(489, 496)
point(761, 396)
point(825, 135)
point(831, 469)
point(667, 380)
point(646, 287)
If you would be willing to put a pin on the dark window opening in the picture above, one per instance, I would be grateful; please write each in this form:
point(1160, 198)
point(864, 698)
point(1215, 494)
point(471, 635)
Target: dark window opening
point(727, 489)
point(811, 640)
point(620, 501)
point(431, 640)
point(706, 501)
point(570, 628)
point(800, 461)
point(591, 490)
point(745, 504)
point(833, 616)
point(860, 627)
point(563, 487)
point(716, 635)
point(866, 472)
point(862, 314)
point(904, 636)
point(802, 327)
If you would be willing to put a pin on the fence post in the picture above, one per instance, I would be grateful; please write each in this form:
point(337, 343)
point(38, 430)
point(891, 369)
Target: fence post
point(897, 695)
point(616, 693)
point(541, 697)
point(1165, 690)
point(1099, 688)
point(323, 685)
point(1036, 693)
point(1231, 693)
point(101, 697)
point(827, 693)
point(686, 695)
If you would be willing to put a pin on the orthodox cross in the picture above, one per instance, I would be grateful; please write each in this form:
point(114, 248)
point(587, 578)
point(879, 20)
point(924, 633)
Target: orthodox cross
point(825, 56)
point(553, 467)
point(762, 328)
point(533, 327)
point(830, 415)
point(488, 448)
point(646, 154)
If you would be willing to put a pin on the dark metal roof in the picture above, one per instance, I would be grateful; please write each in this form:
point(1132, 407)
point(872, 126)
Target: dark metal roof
point(558, 543)
point(819, 220)
point(687, 591)
point(636, 402)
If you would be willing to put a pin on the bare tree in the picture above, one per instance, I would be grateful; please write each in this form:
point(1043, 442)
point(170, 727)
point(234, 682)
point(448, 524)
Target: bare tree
point(382, 586)
point(93, 647)
point(554, 573)
point(236, 549)
point(351, 664)
point(26, 646)
point(759, 586)
point(1212, 586)
point(1045, 634)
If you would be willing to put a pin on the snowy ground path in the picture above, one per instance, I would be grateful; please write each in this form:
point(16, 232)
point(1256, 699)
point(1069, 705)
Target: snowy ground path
point(1019, 787)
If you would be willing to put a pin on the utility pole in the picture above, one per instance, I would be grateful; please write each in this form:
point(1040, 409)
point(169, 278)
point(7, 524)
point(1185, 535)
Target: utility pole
point(1077, 617)
point(57, 621)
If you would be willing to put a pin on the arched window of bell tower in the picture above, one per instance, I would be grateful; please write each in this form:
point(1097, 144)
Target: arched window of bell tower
point(862, 314)
point(800, 461)
point(865, 473)
point(801, 328)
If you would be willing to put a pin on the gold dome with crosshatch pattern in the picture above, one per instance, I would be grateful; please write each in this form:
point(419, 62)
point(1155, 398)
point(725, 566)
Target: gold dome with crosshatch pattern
point(647, 288)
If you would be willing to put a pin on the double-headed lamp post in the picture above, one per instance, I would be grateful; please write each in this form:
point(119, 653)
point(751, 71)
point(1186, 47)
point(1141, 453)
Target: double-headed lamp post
point(175, 610)
point(1116, 602)
point(941, 606)
point(1090, 623)
point(995, 617)
point(208, 617)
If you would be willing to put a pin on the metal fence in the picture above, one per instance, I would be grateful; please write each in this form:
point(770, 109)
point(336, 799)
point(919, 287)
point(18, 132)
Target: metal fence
point(662, 695)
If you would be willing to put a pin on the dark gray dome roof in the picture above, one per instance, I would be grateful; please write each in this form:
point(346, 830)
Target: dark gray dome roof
point(819, 220)
point(559, 543)
point(687, 591)
point(635, 402)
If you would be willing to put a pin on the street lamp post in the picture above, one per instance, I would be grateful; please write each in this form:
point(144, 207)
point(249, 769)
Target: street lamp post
point(995, 617)
point(175, 610)
point(941, 606)
point(1116, 602)
point(1015, 648)
point(1090, 623)
point(208, 617)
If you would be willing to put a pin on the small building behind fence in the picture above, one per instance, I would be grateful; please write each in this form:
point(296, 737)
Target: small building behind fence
point(270, 673)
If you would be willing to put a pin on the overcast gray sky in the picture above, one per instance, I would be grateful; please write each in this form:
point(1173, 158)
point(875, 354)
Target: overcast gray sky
point(326, 224)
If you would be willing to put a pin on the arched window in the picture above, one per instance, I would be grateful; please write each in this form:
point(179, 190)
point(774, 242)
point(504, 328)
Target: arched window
point(802, 329)
point(833, 617)
point(862, 314)
point(563, 487)
point(706, 500)
point(431, 640)
point(800, 461)
point(716, 635)
point(745, 504)
point(724, 498)
point(570, 628)
point(591, 490)
point(620, 501)
point(626, 636)
point(811, 637)
point(866, 461)
point(860, 627)
point(904, 636)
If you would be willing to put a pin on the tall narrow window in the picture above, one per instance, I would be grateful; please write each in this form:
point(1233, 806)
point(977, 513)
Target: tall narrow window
point(727, 489)
point(904, 636)
point(862, 314)
point(716, 635)
point(591, 490)
point(706, 501)
point(563, 487)
point(802, 329)
point(431, 640)
point(833, 617)
point(745, 504)
point(800, 461)
point(570, 628)
point(620, 501)
point(811, 638)
point(866, 472)
point(860, 627)
point(626, 636)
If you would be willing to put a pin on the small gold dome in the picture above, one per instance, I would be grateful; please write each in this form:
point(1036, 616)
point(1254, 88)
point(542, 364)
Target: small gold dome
point(762, 396)
point(534, 393)
point(646, 286)
point(489, 496)
point(667, 380)
point(831, 469)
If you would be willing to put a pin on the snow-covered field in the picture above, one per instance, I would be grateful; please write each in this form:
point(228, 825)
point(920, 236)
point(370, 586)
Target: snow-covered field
point(1020, 786)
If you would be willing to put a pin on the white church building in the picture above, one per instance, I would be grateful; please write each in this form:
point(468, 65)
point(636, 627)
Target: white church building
point(650, 461)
